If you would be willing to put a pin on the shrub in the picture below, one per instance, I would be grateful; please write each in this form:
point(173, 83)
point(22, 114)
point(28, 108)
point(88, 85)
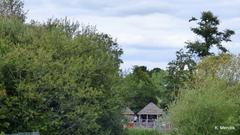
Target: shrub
point(202, 110)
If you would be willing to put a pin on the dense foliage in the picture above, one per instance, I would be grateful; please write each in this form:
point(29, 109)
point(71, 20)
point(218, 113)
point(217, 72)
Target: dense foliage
point(179, 72)
point(58, 83)
point(143, 86)
point(209, 104)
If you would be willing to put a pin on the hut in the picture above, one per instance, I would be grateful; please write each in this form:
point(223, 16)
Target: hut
point(129, 114)
point(149, 115)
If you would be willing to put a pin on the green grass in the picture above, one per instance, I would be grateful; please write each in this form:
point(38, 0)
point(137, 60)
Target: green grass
point(142, 131)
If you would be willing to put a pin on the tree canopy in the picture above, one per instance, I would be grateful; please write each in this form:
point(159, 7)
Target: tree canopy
point(143, 86)
point(210, 35)
point(58, 84)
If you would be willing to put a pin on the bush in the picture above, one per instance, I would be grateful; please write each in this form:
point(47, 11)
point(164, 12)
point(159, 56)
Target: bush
point(202, 109)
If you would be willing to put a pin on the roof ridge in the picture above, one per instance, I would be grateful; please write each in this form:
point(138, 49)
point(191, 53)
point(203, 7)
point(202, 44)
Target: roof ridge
point(151, 108)
point(127, 110)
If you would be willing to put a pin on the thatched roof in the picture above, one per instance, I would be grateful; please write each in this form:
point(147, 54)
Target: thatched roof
point(128, 111)
point(151, 108)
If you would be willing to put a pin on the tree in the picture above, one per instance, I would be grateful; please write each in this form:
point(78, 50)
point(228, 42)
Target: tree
point(138, 89)
point(143, 86)
point(158, 78)
point(12, 8)
point(210, 35)
point(179, 71)
point(58, 84)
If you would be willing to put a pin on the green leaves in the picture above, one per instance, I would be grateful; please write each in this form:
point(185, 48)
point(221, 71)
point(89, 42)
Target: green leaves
point(179, 71)
point(144, 86)
point(61, 81)
point(210, 35)
point(199, 110)
point(210, 100)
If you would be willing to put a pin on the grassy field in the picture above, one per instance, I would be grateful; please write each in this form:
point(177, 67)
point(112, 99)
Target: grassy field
point(141, 131)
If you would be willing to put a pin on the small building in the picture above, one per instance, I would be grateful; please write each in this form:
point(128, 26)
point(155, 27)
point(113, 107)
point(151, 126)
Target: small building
point(129, 115)
point(149, 115)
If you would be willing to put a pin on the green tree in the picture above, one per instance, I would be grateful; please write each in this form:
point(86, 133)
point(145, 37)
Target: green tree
point(158, 78)
point(143, 86)
point(210, 35)
point(138, 89)
point(12, 8)
point(58, 84)
point(179, 72)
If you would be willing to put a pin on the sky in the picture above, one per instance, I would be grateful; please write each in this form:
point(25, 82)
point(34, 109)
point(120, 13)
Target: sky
point(148, 31)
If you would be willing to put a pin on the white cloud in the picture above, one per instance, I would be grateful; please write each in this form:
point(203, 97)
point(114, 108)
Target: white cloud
point(140, 24)
point(155, 30)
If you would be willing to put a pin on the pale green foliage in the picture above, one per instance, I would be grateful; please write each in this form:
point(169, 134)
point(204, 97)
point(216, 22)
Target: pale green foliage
point(210, 66)
point(207, 101)
point(214, 103)
point(231, 70)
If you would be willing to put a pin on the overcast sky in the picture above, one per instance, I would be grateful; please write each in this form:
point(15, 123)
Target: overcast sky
point(149, 31)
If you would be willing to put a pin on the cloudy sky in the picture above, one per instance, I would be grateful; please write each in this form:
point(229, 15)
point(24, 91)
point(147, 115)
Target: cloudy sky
point(149, 31)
